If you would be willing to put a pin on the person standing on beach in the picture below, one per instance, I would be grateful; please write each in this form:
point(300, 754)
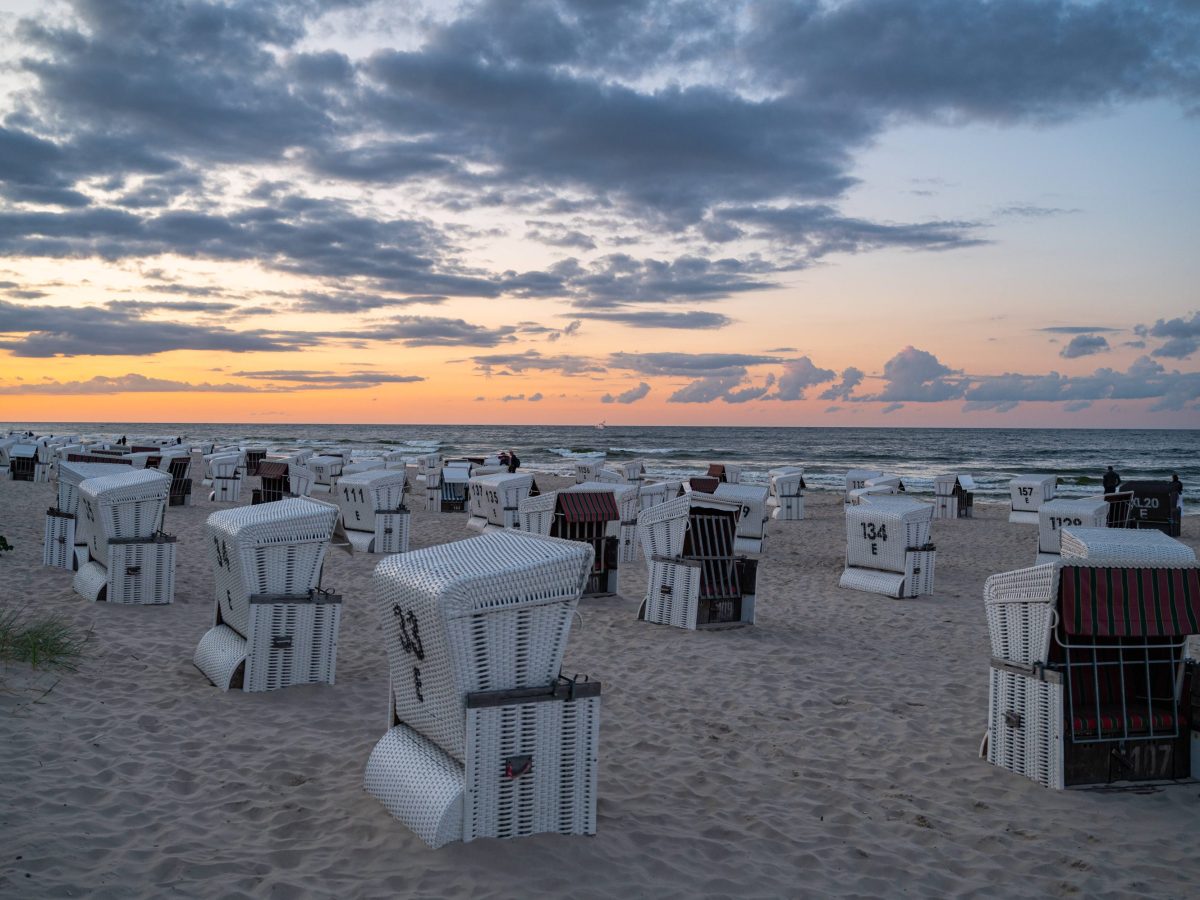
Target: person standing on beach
point(1177, 491)
point(513, 461)
point(1111, 479)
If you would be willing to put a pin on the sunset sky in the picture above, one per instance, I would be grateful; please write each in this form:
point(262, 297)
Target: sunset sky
point(865, 212)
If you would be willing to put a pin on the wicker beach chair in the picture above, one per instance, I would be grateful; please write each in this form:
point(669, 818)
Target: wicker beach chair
point(224, 470)
point(363, 464)
point(374, 516)
point(495, 500)
point(726, 473)
point(178, 465)
point(1090, 679)
point(695, 578)
point(786, 499)
point(588, 513)
point(63, 543)
point(485, 738)
point(274, 627)
point(856, 480)
point(120, 520)
point(23, 462)
point(881, 485)
point(588, 469)
point(625, 496)
point(631, 470)
point(652, 493)
point(1028, 493)
point(1153, 506)
point(453, 486)
point(752, 520)
point(953, 497)
point(888, 550)
point(326, 469)
point(1055, 515)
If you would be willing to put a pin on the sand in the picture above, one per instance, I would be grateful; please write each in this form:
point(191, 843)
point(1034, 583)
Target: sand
point(830, 750)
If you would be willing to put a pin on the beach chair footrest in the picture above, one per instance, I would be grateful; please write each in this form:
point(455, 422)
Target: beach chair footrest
point(91, 581)
point(221, 656)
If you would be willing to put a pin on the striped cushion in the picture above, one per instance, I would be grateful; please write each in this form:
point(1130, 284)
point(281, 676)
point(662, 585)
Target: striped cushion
point(1121, 602)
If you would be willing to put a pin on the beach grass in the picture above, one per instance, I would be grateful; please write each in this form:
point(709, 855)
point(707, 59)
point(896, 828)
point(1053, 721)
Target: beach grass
point(42, 641)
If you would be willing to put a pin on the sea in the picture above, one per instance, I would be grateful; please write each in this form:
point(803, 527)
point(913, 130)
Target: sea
point(992, 456)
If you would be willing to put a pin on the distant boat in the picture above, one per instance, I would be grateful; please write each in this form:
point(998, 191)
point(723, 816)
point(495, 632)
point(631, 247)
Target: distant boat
point(600, 425)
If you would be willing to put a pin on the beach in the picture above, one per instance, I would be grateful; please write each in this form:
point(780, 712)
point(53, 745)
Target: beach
point(830, 750)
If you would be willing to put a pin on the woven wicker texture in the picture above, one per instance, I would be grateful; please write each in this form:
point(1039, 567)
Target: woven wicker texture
point(1029, 492)
point(874, 581)
point(220, 655)
point(1125, 547)
point(142, 573)
point(58, 541)
point(1055, 515)
point(661, 528)
point(786, 485)
point(418, 784)
point(272, 548)
point(588, 469)
point(535, 515)
point(626, 496)
point(558, 795)
point(856, 479)
point(72, 474)
point(495, 499)
point(90, 580)
point(880, 532)
point(1025, 727)
point(131, 504)
point(291, 643)
point(673, 594)
point(488, 613)
point(360, 494)
point(752, 521)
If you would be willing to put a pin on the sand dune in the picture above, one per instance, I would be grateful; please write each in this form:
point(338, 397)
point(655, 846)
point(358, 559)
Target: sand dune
point(830, 750)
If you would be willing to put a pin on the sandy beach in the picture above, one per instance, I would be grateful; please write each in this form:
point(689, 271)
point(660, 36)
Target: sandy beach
point(831, 750)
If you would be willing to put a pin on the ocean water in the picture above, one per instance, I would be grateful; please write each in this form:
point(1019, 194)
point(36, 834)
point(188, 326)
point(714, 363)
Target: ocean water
point(991, 456)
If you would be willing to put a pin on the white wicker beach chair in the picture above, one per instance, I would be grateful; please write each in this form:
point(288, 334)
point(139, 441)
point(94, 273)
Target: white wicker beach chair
point(631, 470)
point(588, 469)
point(586, 512)
point(786, 498)
point(274, 627)
point(856, 480)
point(888, 550)
point(452, 486)
point(364, 464)
point(223, 470)
point(63, 545)
point(652, 493)
point(1055, 515)
point(752, 520)
point(326, 469)
point(23, 462)
point(726, 473)
point(485, 739)
point(953, 497)
point(1028, 493)
point(878, 486)
point(1090, 682)
point(695, 578)
point(120, 519)
point(374, 516)
point(625, 495)
point(494, 500)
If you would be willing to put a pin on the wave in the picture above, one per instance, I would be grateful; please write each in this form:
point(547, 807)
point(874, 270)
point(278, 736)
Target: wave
point(583, 453)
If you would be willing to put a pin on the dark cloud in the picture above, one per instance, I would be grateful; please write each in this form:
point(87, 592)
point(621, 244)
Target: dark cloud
point(120, 331)
point(1084, 345)
point(1183, 336)
point(851, 378)
point(300, 379)
point(918, 376)
point(655, 319)
point(718, 365)
point(709, 388)
point(533, 361)
point(123, 384)
point(1145, 379)
point(632, 395)
point(798, 375)
point(434, 331)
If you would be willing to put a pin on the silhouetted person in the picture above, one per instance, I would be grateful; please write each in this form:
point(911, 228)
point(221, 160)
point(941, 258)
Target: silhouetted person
point(513, 461)
point(1111, 479)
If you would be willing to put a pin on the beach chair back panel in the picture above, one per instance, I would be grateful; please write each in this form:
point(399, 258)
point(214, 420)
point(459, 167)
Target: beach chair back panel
point(536, 514)
point(879, 533)
point(130, 504)
point(360, 495)
point(497, 498)
point(485, 614)
point(1056, 515)
point(1029, 492)
point(752, 520)
point(274, 549)
point(709, 540)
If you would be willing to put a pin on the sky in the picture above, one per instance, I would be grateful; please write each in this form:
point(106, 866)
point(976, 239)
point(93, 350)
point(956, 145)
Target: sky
point(776, 212)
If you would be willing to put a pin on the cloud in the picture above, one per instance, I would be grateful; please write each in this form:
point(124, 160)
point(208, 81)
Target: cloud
point(122, 331)
point(534, 398)
point(533, 361)
point(707, 389)
point(798, 375)
point(689, 364)
point(300, 379)
point(1145, 379)
point(851, 378)
point(433, 331)
point(1077, 329)
point(1084, 345)
point(660, 319)
point(917, 375)
point(124, 384)
point(1183, 337)
point(632, 395)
